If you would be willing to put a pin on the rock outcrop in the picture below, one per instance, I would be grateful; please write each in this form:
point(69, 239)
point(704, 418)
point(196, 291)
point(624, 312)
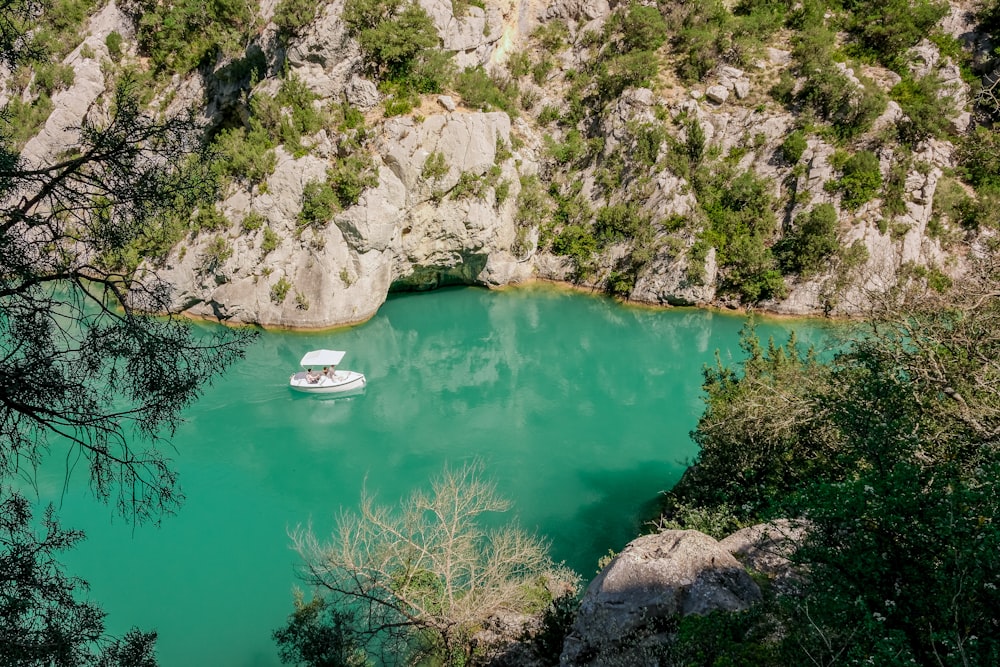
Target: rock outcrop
point(625, 615)
point(765, 549)
point(410, 231)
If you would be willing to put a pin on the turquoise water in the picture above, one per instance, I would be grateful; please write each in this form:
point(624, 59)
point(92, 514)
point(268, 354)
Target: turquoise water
point(580, 408)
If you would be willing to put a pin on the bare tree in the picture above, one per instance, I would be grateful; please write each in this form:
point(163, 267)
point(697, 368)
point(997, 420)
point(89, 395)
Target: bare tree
point(426, 576)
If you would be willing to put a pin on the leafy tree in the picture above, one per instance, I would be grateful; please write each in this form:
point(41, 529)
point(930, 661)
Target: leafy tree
point(395, 36)
point(424, 577)
point(928, 114)
point(888, 27)
point(319, 636)
point(180, 35)
point(890, 451)
point(42, 619)
point(758, 439)
point(741, 223)
point(811, 241)
point(74, 367)
point(86, 372)
point(642, 28)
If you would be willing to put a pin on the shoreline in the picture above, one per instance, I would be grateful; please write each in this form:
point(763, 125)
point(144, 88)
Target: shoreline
point(562, 285)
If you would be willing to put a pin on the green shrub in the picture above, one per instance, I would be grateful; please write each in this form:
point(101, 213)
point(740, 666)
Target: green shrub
point(351, 176)
point(435, 167)
point(245, 154)
point(811, 241)
point(210, 219)
point(619, 222)
point(290, 16)
point(861, 180)
point(114, 43)
point(179, 35)
point(532, 204)
point(319, 204)
point(480, 91)
point(635, 69)
point(894, 189)
point(571, 151)
point(979, 157)
point(216, 253)
point(741, 223)
point(398, 40)
point(468, 185)
point(552, 36)
point(540, 71)
point(25, 119)
point(889, 27)
point(501, 192)
point(794, 146)
point(280, 290)
point(927, 114)
point(827, 90)
point(548, 114)
point(703, 35)
point(270, 242)
point(576, 242)
point(253, 221)
point(53, 77)
point(641, 28)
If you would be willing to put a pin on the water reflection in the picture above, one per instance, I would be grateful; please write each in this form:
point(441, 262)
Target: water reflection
point(580, 408)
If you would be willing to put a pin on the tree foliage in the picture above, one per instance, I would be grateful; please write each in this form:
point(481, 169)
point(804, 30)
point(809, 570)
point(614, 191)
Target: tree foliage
point(42, 619)
point(891, 452)
point(395, 36)
point(82, 364)
point(813, 240)
point(425, 576)
point(87, 372)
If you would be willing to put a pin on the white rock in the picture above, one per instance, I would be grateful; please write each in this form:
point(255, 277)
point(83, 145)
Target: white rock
point(717, 94)
point(447, 102)
point(742, 88)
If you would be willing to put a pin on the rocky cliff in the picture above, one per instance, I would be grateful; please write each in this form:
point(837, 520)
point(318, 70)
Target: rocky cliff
point(611, 196)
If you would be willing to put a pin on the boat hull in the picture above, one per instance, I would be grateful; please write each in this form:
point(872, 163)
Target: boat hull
point(344, 381)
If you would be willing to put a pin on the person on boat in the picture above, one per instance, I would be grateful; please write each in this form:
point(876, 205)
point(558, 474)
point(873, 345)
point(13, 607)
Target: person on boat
point(332, 373)
point(312, 378)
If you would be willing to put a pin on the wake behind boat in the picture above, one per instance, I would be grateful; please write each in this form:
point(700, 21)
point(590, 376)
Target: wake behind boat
point(322, 377)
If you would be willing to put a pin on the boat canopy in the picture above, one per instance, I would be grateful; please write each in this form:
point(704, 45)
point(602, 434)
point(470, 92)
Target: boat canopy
point(322, 358)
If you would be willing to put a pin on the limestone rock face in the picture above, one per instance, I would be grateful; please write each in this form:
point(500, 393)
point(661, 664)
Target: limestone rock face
point(73, 105)
point(765, 548)
point(655, 578)
point(412, 231)
point(404, 233)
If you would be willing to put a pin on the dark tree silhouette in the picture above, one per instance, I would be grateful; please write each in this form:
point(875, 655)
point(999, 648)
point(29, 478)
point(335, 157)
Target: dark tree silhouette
point(94, 369)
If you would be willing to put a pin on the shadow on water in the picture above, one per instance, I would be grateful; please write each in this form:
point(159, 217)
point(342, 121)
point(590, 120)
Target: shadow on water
point(615, 514)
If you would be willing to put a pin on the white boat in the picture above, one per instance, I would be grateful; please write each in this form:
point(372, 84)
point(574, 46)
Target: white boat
point(314, 380)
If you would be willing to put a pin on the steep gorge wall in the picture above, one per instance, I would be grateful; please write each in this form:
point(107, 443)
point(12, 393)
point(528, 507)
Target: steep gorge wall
point(411, 231)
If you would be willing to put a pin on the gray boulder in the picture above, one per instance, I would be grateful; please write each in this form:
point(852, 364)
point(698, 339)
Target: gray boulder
point(655, 579)
point(766, 547)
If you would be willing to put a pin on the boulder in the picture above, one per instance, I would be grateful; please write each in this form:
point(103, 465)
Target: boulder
point(717, 94)
point(766, 547)
point(655, 579)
